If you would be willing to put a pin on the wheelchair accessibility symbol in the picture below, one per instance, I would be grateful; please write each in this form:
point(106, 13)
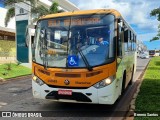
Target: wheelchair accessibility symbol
point(73, 60)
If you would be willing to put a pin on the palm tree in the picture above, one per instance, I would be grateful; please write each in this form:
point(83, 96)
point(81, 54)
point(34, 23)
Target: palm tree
point(156, 12)
point(35, 11)
point(41, 10)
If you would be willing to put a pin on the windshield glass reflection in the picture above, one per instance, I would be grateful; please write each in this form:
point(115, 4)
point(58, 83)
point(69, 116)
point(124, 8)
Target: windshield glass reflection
point(58, 42)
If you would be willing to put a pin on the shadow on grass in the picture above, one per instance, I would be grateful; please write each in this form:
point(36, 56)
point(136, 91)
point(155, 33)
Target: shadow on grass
point(150, 87)
point(157, 63)
point(153, 68)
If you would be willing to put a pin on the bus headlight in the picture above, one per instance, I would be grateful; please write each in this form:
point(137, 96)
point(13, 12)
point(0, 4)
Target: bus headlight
point(104, 82)
point(34, 78)
point(37, 80)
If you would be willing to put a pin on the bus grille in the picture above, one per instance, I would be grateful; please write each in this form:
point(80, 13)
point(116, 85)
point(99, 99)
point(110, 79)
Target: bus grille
point(67, 75)
point(75, 96)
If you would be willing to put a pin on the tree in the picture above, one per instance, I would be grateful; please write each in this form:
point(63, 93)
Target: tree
point(35, 11)
point(156, 13)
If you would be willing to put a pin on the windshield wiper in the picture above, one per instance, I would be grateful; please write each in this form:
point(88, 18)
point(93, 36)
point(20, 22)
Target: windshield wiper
point(85, 60)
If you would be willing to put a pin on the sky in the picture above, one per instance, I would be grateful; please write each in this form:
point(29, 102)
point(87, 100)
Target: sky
point(135, 12)
point(1, 5)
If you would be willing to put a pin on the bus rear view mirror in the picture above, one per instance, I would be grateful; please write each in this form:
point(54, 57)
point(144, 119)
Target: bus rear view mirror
point(120, 23)
point(30, 34)
point(27, 38)
point(43, 33)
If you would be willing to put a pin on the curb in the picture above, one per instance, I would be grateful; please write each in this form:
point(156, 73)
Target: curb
point(130, 114)
point(4, 81)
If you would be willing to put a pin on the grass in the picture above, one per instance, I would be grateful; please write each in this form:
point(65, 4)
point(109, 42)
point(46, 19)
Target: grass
point(148, 99)
point(16, 70)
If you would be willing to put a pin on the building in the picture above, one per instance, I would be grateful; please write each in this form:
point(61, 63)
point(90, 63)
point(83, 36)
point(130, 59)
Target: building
point(22, 19)
point(63, 4)
point(7, 33)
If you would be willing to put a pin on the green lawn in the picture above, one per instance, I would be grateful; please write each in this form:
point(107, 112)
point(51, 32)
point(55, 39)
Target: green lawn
point(16, 70)
point(148, 98)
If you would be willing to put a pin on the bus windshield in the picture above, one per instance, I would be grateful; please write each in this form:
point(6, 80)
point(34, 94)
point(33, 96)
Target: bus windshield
point(59, 41)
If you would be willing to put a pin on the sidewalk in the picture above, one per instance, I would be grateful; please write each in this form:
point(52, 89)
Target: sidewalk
point(29, 65)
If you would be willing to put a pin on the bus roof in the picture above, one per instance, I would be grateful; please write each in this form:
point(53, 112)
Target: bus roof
point(83, 12)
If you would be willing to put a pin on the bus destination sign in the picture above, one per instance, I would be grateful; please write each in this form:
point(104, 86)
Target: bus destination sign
point(76, 21)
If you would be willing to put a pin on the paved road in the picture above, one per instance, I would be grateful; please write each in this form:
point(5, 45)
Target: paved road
point(17, 95)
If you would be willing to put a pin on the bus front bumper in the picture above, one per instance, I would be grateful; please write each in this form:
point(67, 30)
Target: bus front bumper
point(90, 95)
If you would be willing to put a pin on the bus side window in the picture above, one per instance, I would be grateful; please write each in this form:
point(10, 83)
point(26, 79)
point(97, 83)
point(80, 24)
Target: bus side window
point(133, 42)
point(126, 34)
point(130, 41)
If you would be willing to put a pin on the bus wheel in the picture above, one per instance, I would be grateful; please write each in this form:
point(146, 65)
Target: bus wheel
point(123, 83)
point(131, 81)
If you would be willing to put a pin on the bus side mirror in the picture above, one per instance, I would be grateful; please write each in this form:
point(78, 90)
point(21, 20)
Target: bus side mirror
point(119, 47)
point(29, 34)
point(43, 33)
point(120, 23)
point(43, 36)
point(27, 39)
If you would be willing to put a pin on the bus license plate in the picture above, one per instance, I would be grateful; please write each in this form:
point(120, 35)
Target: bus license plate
point(64, 92)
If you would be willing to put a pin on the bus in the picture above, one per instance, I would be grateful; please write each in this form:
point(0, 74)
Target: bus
point(70, 64)
point(154, 53)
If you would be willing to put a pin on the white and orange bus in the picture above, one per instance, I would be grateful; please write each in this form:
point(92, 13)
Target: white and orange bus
point(70, 64)
point(154, 53)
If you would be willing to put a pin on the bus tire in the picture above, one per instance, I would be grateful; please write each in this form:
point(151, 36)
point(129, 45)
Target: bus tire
point(123, 83)
point(131, 81)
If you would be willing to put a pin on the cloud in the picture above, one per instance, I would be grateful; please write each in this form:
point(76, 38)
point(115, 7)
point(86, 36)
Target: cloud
point(136, 12)
point(123, 7)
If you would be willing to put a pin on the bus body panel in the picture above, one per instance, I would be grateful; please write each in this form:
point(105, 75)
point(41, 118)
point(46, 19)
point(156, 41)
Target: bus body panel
point(131, 60)
point(110, 93)
point(84, 79)
point(119, 76)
